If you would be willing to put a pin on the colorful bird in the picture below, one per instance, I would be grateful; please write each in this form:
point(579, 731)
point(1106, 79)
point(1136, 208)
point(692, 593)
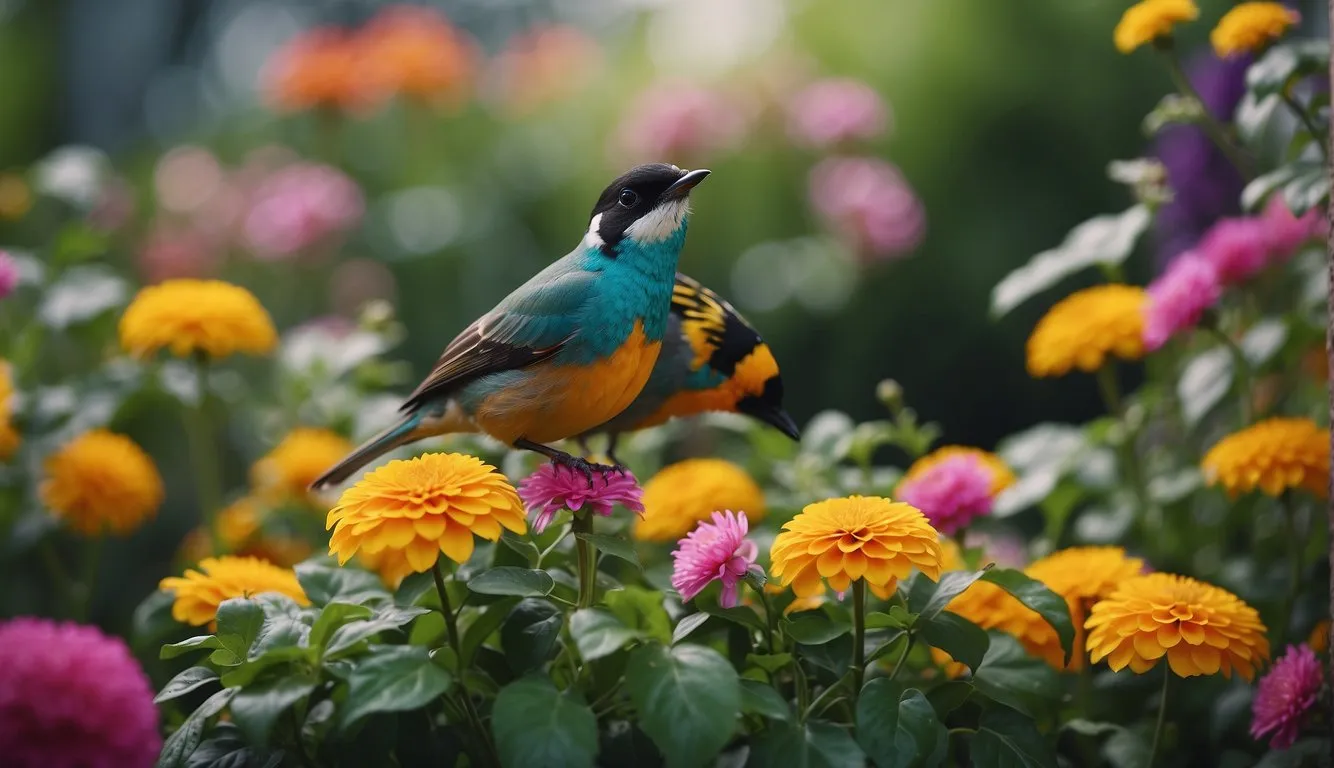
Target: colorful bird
point(570, 348)
point(711, 360)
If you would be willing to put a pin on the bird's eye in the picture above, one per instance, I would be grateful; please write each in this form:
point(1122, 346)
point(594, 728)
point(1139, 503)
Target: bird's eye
point(629, 198)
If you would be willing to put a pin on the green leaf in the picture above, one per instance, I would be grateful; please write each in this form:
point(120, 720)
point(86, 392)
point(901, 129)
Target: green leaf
point(152, 618)
point(225, 748)
point(509, 580)
point(413, 587)
point(817, 745)
point(386, 619)
point(615, 546)
point(1285, 63)
point(529, 633)
point(897, 618)
point(1037, 598)
point(950, 586)
point(1008, 739)
point(898, 728)
point(1308, 189)
point(485, 624)
point(325, 583)
point(183, 741)
point(188, 680)
point(741, 614)
point(761, 699)
point(642, 609)
point(963, 640)
point(687, 625)
point(249, 670)
point(1107, 239)
point(242, 618)
point(814, 628)
point(537, 725)
point(332, 617)
point(687, 697)
point(770, 663)
point(598, 633)
point(256, 707)
point(198, 642)
point(949, 696)
point(1205, 381)
point(279, 632)
point(392, 678)
point(1013, 678)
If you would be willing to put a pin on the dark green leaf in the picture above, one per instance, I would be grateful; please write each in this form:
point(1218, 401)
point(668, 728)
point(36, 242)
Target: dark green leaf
point(332, 617)
point(413, 587)
point(835, 655)
point(770, 663)
point(183, 741)
point(1012, 677)
point(897, 618)
point(188, 680)
point(242, 618)
point(687, 625)
point(1205, 381)
point(224, 749)
point(951, 585)
point(817, 745)
point(485, 624)
point(226, 657)
point(687, 697)
point(741, 614)
point(814, 628)
point(249, 670)
point(256, 707)
point(392, 678)
point(280, 632)
point(963, 640)
point(537, 725)
point(598, 633)
point(898, 728)
point(761, 699)
point(325, 583)
point(1284, 63)
point(612, 545)
point(528, 636)
point(508, 580)
point(949, 696)
point(386, 619)
point(1008, 739)
point(196, 643)
point(1035, 595)
point(1308, 189)
point(152, 618)
point(642, 609)
point(279, 606)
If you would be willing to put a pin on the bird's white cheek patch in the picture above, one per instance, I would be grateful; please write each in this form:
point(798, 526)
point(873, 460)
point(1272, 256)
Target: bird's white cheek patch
point(593, 239)
point(658, 224)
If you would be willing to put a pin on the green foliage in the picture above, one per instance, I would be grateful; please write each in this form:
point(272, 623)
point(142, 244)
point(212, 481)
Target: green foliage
point(687, 698)
point(898, 728)
point(536, 724)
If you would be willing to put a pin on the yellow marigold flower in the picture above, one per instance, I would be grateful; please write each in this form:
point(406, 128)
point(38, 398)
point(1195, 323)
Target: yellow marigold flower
point(686, 492)
point(9, 437)
point(1248, 27)
point(1146, 21)
point(199, 592)
point(101, 481)
point(391, 565)
point(196, 316)
point(241, 533)
point(289, 469)
point(1273, 456)
point(1087, 326)
point(1200, 628)
point(1001, 475)
point(424, 506)
point(1081, 575)
point(842, 540)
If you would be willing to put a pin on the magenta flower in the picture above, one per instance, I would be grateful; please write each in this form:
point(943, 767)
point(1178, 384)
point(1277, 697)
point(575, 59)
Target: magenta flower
point(1285, 696)
point(1237, 248)
point(867, 201)
point(834, 111)
point(950, 493)
point(683, 122)
point(717, 550)
point(72, 696)
point(553, 488)
point(9, 274)
point(298, 206)
point(1179, 297)
point(1286, 234)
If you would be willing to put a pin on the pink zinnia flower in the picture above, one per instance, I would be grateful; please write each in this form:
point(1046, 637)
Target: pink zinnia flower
point(1285, 696)
point(717, 550)
point(171, 252)
point(682, 122)
point(1286, 234)
point(951, 493)
point(9, 274)
point(836, 110)
point(299, 206)
point(72, 696)
point(1179, 297)
point(867, 201)
point(553, 488)
point(1237, 248)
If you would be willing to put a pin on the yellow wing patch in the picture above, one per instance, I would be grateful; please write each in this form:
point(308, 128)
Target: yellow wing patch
point(703, 318)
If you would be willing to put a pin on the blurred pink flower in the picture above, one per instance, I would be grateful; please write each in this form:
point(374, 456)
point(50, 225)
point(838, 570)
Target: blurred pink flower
point(680, 122)
point(115, 205)
point(1238, 248)
point(715, 550)
point(1286, 234)
point(834, 111)
point(356, 282)
point(72, 696)
point(867, 201)
point(543, 65)
point(1005, 550)
point(1285, 696)
point(186, 177)
point(951, 493)
point(1179, 297)
point(553, 488)
point(298, 206)
point(9, 274)
point(172, 252)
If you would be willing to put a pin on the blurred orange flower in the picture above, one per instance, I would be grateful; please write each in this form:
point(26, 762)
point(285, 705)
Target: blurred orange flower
point(415, 52)
point(317, 68)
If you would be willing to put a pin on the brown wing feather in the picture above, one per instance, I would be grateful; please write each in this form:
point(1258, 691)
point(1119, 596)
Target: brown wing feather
point(470, 355)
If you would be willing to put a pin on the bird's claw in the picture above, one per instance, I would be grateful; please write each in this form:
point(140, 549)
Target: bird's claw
point(584, 466)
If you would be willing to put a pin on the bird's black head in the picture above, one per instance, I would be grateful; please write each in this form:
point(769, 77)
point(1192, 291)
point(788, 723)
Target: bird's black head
point(767, 406)
point(647, 204)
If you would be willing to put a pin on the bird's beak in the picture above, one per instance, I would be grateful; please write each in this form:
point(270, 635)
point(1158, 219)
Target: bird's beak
point(682, 186)
point(774, 417)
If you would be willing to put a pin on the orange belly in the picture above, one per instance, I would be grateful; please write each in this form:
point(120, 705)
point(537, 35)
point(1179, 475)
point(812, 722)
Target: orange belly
point(560, 401)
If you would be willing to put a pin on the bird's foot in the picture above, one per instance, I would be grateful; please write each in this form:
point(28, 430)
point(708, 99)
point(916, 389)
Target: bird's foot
point(584, 466)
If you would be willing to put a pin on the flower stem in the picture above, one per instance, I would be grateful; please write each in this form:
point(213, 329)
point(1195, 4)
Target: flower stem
point(1241, 377)
point(452, 634)
point(1162, 716)
point(769, 619)
point(586, 558)
point(1110, 389)
point(204, 453)
point(1317, 136)
point(1208, 123)
point(893, 673)
point(447, 609)
point(57, 571)
point(1128, 458)
point(92, 558)
point(1296, 541)
point(858, 636)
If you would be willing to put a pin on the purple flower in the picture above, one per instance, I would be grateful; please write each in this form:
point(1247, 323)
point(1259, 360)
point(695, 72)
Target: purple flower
point(717, 550)
point(9, 274)
point(298, 206)
point(72, 696)
point(1179, 297)
point(867, 201)
point(679, 120)
point(836, 110)
point(1237, 248)
point(1285, 696)
point(950, 492)
point(553, 488)
point(1286, 234)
